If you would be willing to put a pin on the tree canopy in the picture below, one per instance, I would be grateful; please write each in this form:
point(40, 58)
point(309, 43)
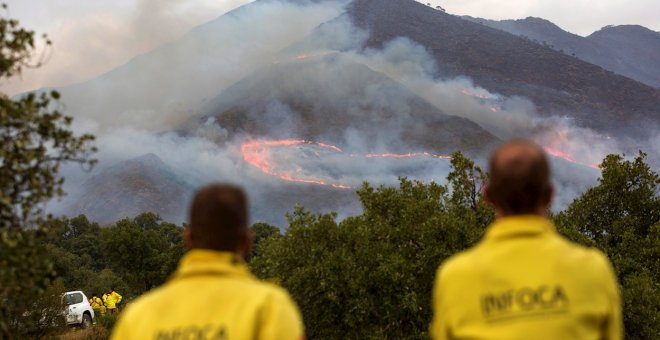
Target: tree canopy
point(621, 216)
point(35, 138)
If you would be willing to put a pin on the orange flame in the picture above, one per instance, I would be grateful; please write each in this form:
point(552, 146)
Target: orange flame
point(257, 153)
point(468, 93)
point(567, 157)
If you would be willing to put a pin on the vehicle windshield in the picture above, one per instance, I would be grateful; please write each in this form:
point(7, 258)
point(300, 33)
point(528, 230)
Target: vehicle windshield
point(72, 299)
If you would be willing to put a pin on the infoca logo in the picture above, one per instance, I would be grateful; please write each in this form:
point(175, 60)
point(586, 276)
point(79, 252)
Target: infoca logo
point(525, 302)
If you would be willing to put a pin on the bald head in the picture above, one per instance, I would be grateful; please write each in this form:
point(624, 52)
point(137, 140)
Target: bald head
point(519, 180)
point(218, 218)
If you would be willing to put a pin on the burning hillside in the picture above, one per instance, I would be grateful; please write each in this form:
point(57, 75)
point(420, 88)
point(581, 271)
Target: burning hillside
point(245, 99)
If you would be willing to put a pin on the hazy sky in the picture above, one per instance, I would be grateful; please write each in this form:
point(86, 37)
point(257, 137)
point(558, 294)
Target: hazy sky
point(581, 17)
point(93, 36)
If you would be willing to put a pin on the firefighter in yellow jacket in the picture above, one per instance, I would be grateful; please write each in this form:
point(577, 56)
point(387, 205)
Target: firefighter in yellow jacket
point(524, 280)
point(97, 305)
point(212, 295)
point(111, 300)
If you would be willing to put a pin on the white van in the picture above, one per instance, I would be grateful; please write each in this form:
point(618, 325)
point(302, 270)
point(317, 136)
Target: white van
point(77, 309)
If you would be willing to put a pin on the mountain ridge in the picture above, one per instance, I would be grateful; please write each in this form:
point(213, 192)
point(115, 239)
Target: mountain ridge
point(628, 50)
point(509, 65)
point(131, 187)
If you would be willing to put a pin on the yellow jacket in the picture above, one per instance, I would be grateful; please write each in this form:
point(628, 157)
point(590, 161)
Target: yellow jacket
point(96, 302)
point(525, 281)
point(115, 297)
point(212, 295)
point(111, 300)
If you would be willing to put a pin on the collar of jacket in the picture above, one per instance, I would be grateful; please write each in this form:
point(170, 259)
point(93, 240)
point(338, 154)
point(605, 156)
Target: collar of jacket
point(202, 262)
point(519, 225)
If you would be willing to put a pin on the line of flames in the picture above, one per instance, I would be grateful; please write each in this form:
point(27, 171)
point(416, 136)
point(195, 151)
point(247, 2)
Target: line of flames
point(255, 153)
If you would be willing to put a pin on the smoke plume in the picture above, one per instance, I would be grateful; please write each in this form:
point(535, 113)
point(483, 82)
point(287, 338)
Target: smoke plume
point(286, 66)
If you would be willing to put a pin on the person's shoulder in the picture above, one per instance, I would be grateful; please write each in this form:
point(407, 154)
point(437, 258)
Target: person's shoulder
point(459, 263)
point(270, 290)
point(597, 259)
point(578, 252)
point(587, 260)
point(144, 303)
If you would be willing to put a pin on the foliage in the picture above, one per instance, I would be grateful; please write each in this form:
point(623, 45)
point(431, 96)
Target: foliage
point(43, 317)
point(261, 231)
point(107, 321)
point(98, 332)
point(132, 255)
point(144, 250)
point(371, 276)
point(621, 216)
point(34, 140)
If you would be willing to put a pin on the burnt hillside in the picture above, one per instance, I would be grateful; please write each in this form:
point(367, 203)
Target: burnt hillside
point(510, 65)
point(306, 100)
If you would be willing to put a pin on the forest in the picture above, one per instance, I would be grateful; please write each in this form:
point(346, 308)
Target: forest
point(370, 276)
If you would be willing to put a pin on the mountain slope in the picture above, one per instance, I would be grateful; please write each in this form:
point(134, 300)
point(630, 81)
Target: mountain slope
point(628, 50)
point(634, 51)
point(327, 97)
point(510, 65)
point(126, 189)
point(158, 88)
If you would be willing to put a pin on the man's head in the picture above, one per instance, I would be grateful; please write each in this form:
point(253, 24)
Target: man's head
point(519, 181)
point(111, 290)
point(219, 220)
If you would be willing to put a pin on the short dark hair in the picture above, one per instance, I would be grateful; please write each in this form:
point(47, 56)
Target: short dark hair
point(218, 217)
point(519, 180)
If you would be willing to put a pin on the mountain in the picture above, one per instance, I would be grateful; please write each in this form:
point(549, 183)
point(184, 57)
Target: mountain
point(326, 97)
point(628, 50)
point(634, 49)
point(128, 188)
point(156, 89)
point(557, 83)
point(235, 75)
point(147, 184)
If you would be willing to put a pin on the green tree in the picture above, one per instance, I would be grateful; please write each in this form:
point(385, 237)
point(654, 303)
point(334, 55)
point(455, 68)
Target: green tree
point(467, 181)
point(144, 250)
point(34, 140)
point(370, 276)
point(261, 231)
point(621, 216)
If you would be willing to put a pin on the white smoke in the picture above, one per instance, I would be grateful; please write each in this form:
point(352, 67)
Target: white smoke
point(157, 90)
point(135, 109)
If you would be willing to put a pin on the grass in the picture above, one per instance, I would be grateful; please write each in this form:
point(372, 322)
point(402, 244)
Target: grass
point(101, 330)
point(93, 333)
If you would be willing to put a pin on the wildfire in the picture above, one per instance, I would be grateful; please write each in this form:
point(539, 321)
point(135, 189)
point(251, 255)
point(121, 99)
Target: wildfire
point(476, 95)
point(560, 154)
point(483, 98)
point(259, 153)
point(406, 155)
point(567, 157)
point(304, 56)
